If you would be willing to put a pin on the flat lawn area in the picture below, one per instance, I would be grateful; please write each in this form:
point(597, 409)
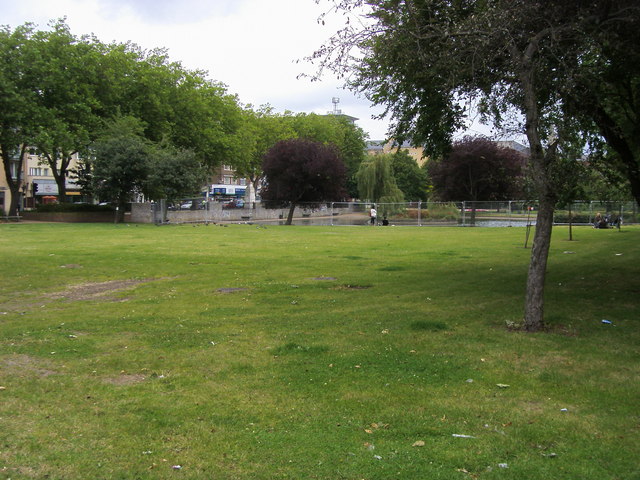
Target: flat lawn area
point(245, 352)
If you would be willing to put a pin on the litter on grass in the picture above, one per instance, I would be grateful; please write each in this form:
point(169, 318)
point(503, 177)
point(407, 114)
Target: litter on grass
point(459, 435)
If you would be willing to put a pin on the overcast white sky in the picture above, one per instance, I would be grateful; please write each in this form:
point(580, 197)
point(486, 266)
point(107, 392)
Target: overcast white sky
point(249, 45)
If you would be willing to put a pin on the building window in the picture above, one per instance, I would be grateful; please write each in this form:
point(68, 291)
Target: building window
point(227, 167)
point(227, 180)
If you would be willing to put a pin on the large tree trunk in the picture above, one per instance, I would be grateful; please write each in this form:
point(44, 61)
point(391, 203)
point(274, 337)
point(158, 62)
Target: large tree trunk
point(59, 165)
point(534, 298)
point(540, 162)
point(120, 209)
point(14, 188)
point(13, 183)
point(290, 216)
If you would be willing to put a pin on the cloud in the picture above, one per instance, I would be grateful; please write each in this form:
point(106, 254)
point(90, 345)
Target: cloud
point(169, 12)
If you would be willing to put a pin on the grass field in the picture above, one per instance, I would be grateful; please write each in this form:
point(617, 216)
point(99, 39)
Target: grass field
point(245, 352)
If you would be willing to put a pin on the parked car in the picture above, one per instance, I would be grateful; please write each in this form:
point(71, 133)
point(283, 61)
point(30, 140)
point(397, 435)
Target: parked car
point(186, 205)
point(236, 203)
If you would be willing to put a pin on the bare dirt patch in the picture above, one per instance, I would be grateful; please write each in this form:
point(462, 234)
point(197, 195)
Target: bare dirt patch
point(325, 278)
point(24, 365)
point(103, 291)
point(231, 290)
point(125, 379)
point(352, 287)
point(89, 291)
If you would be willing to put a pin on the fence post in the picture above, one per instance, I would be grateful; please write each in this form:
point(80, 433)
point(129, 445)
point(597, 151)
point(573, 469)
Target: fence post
point(464, 209)
point(419, 213)
point(332, 214)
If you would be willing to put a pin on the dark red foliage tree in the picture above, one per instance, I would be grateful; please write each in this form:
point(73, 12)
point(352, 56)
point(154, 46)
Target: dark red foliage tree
point(299, 170)
point(477, 169)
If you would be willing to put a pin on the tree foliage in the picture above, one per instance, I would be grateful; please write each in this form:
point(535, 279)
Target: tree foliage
point(410, 177)
point(17, 106)
point(124, 163)
point(121, 163)
point(261, 129)
point(336, 130)
point(477, 169)
point(299, 170)
point(57, 89)
point(376, 182)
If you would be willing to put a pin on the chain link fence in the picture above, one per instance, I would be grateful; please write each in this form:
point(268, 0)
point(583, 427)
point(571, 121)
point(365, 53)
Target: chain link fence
point(511, 213)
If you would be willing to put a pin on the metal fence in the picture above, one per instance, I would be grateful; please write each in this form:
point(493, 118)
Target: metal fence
point(482, 214)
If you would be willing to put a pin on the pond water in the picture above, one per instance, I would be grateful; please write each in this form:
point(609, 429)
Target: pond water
point(364, 221)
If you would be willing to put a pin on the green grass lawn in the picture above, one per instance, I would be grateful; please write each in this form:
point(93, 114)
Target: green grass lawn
point(244, 352)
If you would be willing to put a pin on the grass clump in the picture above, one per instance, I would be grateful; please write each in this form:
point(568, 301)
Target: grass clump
point(313, 352)
point(430, 326)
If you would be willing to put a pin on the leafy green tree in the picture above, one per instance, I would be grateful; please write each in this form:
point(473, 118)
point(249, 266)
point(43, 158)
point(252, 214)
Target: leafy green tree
point(125, 163)
point(63, 70)
point(410, 178)
point(477, 169)
point(377, 183)
point(17, 106)
point(603, 180)
point(121, 163)
point(173, 173)
point(177, 105)
point(299, 170)
point(336, 130)
point(260, 130)
point(421, 58)
point(607, 80)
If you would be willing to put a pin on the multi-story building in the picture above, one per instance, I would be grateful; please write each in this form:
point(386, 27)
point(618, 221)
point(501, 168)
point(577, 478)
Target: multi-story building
point(225, 185)
point(377, 147)
point(37, 184)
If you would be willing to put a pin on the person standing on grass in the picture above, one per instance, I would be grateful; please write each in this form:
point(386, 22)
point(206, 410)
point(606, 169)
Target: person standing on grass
point(373, 214)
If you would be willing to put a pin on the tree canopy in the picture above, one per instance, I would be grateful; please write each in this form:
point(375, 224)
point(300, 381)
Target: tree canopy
point(410, 177)
point(376, 181)
point(300, 170)
point(124, 163)
point(477, 169)
point(56, 89)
